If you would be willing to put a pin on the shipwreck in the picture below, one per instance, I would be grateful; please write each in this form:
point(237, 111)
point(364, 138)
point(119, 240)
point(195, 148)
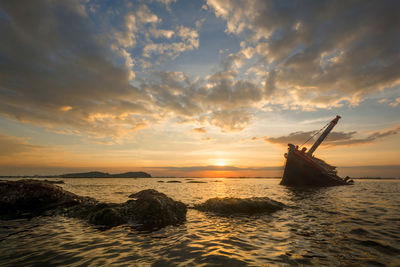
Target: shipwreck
point(304, 169)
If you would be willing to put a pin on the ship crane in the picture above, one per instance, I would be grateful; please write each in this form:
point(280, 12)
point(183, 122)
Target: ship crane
point(323, 135)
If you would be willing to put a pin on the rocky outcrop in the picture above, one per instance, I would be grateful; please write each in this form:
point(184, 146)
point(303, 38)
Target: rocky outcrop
point(154, 209)
point(32, 196)
point(149, 208)
point(228, 206)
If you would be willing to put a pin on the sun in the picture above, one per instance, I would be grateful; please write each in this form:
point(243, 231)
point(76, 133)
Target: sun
point(220, 162)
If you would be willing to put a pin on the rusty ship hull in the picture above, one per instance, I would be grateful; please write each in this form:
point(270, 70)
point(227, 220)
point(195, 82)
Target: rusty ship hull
point(304, 170)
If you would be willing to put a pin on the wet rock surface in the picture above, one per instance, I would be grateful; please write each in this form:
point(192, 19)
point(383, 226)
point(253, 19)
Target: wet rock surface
point(150, 208)
point(155, 209)
point(106, 216)
point(228, 206)
point(32, 196)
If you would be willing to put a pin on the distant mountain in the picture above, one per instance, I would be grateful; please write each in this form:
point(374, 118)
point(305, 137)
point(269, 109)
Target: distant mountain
point(131, 175)
point(86, 175)
point(106, 175)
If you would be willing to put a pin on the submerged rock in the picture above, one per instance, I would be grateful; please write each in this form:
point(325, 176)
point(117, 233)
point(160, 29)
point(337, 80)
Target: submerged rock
point(150, 208)
point(154, 209)
point(229, 205)
point(106, 216)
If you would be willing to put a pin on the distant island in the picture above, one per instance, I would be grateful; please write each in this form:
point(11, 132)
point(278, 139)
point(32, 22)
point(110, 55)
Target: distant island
point(93, 174)
point(106, 175)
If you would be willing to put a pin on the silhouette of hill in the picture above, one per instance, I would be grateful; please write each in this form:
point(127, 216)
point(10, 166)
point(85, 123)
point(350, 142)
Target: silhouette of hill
point(96, 174)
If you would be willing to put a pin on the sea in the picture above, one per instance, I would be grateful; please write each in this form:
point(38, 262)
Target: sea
point(357, 225)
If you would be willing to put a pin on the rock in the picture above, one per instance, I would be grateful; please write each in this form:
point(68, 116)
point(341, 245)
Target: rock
point(17, 197)
point(154, 209)
point(229, 206)
point(196, 182)
point(107, 216)
point(174, 181)
point(150, 208)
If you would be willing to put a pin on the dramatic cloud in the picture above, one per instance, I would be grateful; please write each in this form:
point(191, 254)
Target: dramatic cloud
point(224, 91)
point(222, 102)
point(187, 39)
point(369, 139)
point(231, 120)
point(56, 73)
point(333, 139)
point(85, 68)
point(319, 53)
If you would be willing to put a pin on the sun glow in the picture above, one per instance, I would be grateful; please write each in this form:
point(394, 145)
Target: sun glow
point(220, 162)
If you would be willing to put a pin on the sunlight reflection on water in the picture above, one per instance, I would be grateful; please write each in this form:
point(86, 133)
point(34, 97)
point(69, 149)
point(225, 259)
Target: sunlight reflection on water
point(348, 225)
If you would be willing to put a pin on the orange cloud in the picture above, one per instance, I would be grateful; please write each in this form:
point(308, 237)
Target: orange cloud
point(140, 125)
point(201, 130)
point(65, 108)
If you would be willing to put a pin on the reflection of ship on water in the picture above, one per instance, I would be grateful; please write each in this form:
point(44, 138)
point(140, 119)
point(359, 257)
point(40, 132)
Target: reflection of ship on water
point(303, 169)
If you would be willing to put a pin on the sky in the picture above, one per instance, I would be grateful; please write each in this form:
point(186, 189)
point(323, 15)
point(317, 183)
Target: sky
point(197, 88)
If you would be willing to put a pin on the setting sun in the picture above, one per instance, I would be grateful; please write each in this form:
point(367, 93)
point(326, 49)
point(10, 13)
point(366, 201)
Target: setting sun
point(220, 162)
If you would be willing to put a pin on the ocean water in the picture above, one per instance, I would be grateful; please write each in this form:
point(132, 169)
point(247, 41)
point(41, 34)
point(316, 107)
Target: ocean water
point(338, 226)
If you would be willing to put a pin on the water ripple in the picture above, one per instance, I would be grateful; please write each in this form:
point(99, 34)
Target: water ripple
point(355, 225)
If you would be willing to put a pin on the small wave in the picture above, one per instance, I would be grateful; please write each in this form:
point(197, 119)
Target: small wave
point(174, 181)
point(240, 205)
point(387, 249)
point(221, 260)
point(359, 231)
point(374, 263)
point(196, 182)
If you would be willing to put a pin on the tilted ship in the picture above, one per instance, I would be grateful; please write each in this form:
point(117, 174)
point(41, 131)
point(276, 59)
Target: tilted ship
point(303, 169)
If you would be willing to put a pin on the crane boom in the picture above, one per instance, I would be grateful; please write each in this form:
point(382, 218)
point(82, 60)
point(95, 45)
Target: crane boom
point(323, 135)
